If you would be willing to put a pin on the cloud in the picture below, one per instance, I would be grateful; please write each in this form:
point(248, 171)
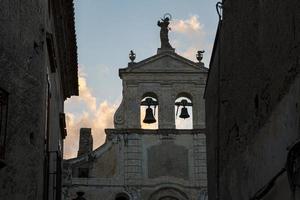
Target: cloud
point(189, 36)
point(85, 93)
point(191, 25)
point(98, 117)
point(190, 53)
point(103, 118)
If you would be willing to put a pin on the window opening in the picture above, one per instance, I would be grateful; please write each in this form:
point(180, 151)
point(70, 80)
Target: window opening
point(149, 110)
point(183, 113)
point(62, 124)
point(83, 172)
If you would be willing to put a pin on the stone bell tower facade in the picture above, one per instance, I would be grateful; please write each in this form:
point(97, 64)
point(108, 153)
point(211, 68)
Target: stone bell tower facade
point(151, 164)
point(165, 76)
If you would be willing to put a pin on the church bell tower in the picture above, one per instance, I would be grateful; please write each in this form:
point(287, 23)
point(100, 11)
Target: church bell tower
point(157, 83)
point(157, 163)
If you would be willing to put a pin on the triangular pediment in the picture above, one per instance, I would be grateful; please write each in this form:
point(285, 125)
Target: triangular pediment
point(166, 63)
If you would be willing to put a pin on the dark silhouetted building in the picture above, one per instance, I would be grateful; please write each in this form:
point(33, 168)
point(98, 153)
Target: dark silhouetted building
point(253, 102)
point(38, 71)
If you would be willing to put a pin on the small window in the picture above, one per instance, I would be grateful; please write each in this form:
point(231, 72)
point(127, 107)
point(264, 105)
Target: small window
point(83, 172)
point(51, 52)
point(3, 124)
point(62, 123)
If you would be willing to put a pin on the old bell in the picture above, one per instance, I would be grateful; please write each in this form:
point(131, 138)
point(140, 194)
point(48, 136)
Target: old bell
point(149, 117)
point(184, 113)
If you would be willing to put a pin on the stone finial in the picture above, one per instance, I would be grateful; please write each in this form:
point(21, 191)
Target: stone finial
point(85, 141)
point(199, 55)
point(132, 56)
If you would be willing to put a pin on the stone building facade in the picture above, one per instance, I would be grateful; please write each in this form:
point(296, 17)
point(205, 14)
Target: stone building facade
point(151, 164)
point(252, 102)
point(38, 71)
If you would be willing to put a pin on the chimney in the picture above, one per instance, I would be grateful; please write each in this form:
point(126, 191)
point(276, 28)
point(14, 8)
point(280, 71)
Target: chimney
point(85, 141)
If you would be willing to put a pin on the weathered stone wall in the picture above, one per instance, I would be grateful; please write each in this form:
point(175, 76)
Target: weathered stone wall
point(211, 117)
point(145, 164)
point(23, 75)
point(34, 140)
point(259, 95)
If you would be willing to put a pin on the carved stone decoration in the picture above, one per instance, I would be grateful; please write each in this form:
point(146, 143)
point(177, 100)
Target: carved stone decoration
point(110, 137)
point(203, 195)
point(119, 116)
point(133, 192)
point(67, 174)
point(199, 55)
point(132, 56)
point(80, 196)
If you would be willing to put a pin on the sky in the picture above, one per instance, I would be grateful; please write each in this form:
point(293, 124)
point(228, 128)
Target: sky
point(106, 31)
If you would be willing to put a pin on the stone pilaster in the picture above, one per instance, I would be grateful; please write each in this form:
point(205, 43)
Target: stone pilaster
point(166, 108)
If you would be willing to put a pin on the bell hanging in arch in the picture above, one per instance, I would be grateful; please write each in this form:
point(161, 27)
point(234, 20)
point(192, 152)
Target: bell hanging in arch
point(149, 117)
point(184, 113)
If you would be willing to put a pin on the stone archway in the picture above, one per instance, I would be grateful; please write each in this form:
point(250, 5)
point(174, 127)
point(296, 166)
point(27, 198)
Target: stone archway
point(168, 198)
point(168, 194)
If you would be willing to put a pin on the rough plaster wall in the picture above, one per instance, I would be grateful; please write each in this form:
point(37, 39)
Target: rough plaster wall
point(22, 74)
point(249, 170)
point(259, 63)
point(168, 159)
point(106, 165)
point(281, 190)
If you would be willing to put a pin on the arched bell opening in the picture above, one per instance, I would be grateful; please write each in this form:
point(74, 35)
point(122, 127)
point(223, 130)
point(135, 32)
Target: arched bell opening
point(168, 194)
point(122, 196)
point(168, 198)
point(183, 112)
point(149, 111)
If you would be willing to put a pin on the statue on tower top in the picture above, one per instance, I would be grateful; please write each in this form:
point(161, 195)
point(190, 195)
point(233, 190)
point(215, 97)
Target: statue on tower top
point(164, 30)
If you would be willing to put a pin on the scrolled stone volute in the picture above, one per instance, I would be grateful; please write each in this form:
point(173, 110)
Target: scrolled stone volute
point(119, 116)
